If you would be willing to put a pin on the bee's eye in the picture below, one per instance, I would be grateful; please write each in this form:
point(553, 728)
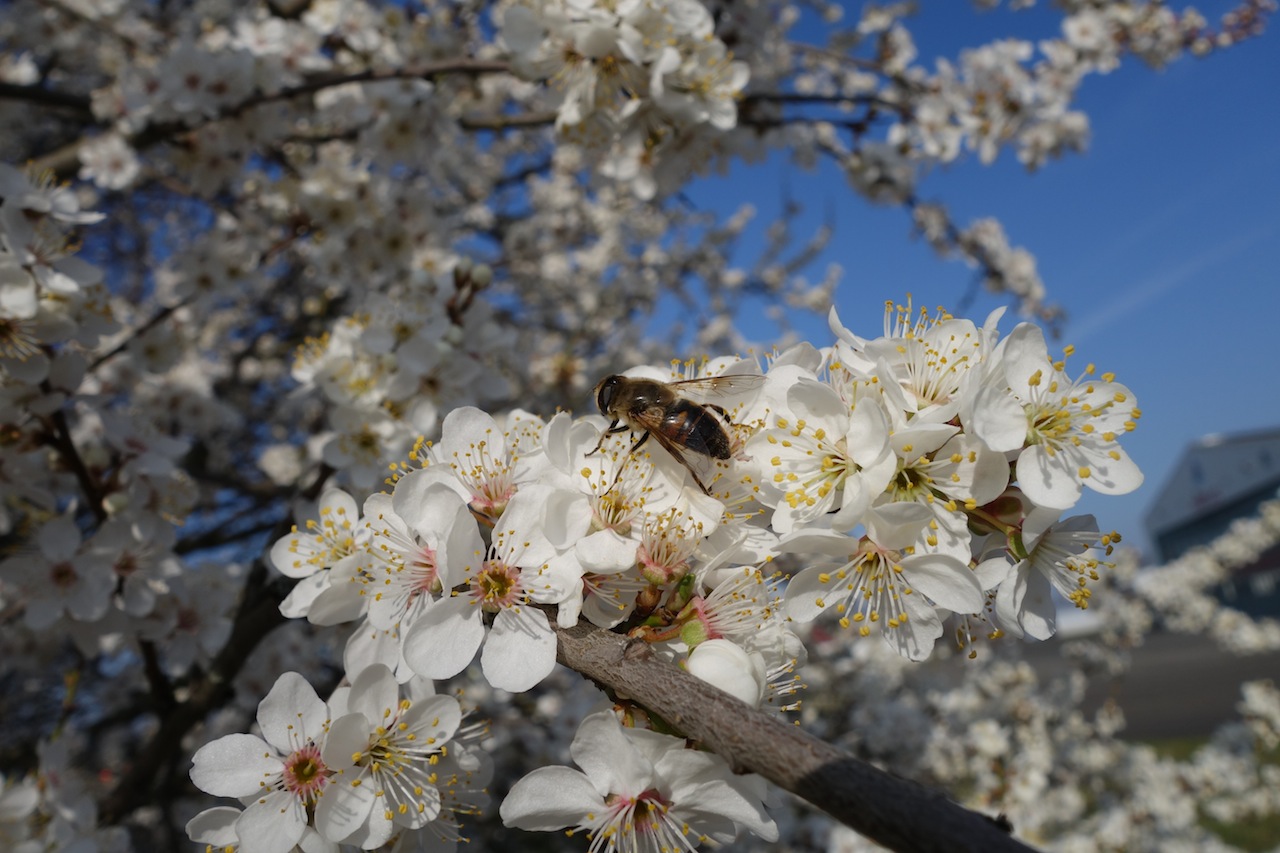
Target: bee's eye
point(604, 397)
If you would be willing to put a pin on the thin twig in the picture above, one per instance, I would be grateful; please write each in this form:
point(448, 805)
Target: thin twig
point(137, 333)
point(60, 437)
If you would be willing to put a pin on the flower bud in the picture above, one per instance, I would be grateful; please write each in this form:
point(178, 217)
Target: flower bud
point(728, 666)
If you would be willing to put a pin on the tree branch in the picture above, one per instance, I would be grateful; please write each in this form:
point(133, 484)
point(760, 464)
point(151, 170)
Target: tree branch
point(898, 813)
point(505, 122)
point(47, 97)
point(65, 160)
point(135, 787)
point(824, 100)
point(258, 615)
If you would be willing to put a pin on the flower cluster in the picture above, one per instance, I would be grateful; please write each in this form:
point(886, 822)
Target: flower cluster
point(368, 768)
point(48, 295)
point(918, 477)
point(639, 790)
point(1020, 739)
point(645, 65)
point(53, 808)
point(333, 226)
point(117, 577)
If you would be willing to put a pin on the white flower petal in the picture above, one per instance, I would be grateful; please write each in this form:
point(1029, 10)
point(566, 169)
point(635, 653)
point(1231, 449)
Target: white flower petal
point(914, 638)
point(368, 645)
point(412, 487)
point(215, 826)
point(896, 525)
point(1112, 475)
point(342, 601)
point(551, 798)
point(728, 666)
point(991, 573)
point(348, 736)
point(344, 807)
point(1045, 479)
point(271, 825)
point(292, 713)
point(568, 518)
point(922, 439)
point(520, 651)
point(445, 638)
point(808, 595)
point(612, 761)
point(716, 791)
point(1025, 357)
point(59, 539)
point(376, 829)
point(606, 551)
point(1024, 604)
point(998, 419)
point(522, 29)
point(234, 765)
point(434, 719)
point(304, 593)
point(947, 581)
point(374, 693)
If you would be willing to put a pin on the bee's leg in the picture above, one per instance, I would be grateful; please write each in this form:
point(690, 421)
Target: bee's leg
point(610, 430)
point(705, 488)
point(623, 466)
point(617, 477)
point(639, 441)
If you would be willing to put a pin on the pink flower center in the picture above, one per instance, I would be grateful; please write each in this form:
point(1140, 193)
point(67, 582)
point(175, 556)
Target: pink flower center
point(490, 497)
point(63, 575)
point(659, 566)
point(424, 577)
point(305, 774)
point(126, 565)
point(645, 814)
point(188, 619)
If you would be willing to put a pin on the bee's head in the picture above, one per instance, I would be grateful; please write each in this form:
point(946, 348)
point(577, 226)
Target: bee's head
point(606, 391)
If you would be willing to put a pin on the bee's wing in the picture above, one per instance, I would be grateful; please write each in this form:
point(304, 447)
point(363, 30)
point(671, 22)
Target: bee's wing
point(700, 465)
point(712, 387)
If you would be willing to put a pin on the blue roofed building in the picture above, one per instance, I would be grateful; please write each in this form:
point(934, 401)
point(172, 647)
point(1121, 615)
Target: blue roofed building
point(1219, 479)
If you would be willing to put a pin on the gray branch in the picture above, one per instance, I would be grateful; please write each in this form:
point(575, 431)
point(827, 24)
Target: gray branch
point(897, 813)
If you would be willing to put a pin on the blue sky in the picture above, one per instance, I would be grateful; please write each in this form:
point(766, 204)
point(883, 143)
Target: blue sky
point(1162, 241)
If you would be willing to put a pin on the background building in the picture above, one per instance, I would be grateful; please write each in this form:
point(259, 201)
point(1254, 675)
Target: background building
point(1219, 479)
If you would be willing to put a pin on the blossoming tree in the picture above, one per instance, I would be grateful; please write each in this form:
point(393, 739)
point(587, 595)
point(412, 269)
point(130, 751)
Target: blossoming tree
point(296, 300)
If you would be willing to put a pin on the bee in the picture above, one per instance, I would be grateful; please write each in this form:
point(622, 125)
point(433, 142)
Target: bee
point(693, 432)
